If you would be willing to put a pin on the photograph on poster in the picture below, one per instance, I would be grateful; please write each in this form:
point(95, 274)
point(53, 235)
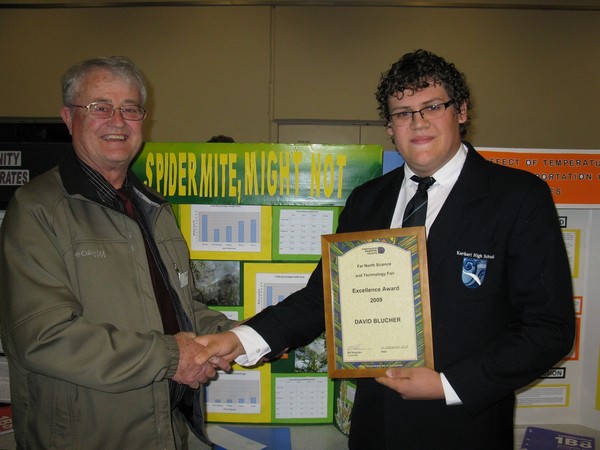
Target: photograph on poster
point(217, 281)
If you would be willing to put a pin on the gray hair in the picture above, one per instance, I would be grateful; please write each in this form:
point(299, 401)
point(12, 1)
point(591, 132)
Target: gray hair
point(120, 66)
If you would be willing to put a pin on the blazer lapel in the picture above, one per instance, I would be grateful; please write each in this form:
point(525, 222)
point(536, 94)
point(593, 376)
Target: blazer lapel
point(385, 202)
point(471, 185)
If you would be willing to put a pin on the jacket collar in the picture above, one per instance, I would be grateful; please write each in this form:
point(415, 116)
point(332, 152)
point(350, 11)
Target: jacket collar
point(74, 179)
point(77, 182)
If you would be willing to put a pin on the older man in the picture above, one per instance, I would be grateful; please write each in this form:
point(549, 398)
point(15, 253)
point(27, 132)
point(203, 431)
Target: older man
point(98, 308)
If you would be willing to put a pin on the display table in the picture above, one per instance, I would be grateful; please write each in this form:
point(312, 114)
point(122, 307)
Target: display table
point(314, 437)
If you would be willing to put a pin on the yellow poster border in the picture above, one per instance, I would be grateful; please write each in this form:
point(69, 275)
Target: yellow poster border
point(250, 270)
point(266, 403)
point(185, 214)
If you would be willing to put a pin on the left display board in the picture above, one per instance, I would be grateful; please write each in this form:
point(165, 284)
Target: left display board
point(22, 161)
point(253, 216)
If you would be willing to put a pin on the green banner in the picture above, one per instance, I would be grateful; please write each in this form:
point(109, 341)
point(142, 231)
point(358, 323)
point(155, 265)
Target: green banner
point(256, 174)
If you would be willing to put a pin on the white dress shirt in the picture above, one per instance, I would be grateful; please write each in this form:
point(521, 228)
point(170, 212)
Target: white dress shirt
point(445, 178)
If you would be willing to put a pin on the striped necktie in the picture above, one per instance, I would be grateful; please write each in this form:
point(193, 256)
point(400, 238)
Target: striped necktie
point(416, 209)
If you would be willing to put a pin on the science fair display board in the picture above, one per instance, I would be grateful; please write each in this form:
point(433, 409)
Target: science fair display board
point(569, 392)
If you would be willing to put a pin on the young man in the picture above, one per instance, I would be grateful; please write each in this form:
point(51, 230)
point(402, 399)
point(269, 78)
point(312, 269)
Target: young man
point(494, 330)
point(98, 314)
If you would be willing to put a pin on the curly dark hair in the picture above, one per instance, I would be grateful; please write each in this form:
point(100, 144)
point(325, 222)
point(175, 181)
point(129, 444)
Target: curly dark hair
point(418, 70)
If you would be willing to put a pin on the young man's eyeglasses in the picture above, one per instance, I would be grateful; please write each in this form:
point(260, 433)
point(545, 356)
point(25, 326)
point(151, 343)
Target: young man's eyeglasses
point(428, 113)
point(102, 110)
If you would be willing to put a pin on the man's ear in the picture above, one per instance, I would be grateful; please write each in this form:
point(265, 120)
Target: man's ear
point(389, 129)
point(462, 113)
point(67, 116)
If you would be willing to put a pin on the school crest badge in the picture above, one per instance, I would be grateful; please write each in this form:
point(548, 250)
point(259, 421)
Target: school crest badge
point(473, 272)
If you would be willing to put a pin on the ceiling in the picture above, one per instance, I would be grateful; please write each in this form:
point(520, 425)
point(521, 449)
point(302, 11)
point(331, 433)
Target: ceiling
point(578, 5)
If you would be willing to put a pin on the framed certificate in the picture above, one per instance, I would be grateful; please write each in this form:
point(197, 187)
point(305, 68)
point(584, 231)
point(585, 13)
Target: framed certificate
point(376, 290)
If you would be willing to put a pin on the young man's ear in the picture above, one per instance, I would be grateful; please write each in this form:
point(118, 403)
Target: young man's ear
point(389, 129)
point(462, 113)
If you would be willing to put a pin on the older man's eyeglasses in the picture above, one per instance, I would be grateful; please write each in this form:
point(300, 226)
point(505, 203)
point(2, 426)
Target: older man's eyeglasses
point(102, 110)
point(429, 112)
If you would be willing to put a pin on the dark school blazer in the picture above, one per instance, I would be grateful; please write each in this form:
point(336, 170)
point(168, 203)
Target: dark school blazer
point(491, 338)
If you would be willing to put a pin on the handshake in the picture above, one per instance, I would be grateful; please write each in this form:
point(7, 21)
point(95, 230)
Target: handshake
point(201, 356)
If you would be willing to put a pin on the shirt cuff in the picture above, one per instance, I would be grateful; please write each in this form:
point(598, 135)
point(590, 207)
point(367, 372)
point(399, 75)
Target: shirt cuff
point(452, 397)
point(254, 345)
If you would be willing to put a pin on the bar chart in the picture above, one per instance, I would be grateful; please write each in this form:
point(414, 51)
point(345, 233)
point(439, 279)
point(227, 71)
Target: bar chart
point(237, 392)
point(272, 288)
point(226, 228)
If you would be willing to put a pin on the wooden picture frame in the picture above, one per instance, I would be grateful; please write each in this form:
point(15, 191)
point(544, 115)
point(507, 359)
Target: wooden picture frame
point(377, 308)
